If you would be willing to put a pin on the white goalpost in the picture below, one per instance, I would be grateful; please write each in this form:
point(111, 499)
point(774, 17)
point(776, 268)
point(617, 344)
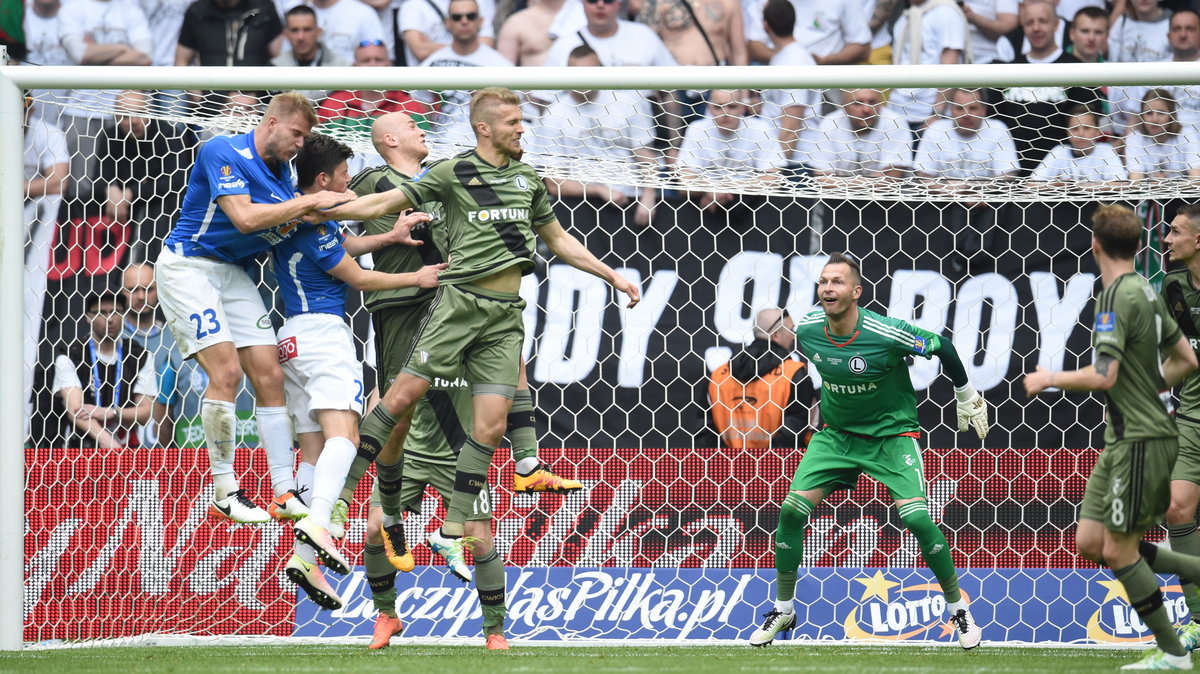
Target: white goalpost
point(671, 537)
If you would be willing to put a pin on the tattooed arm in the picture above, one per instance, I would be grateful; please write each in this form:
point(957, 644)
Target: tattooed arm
point(1100, 376)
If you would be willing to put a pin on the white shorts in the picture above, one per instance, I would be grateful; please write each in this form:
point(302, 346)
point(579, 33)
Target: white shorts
point(207, 302)
point(321, 370)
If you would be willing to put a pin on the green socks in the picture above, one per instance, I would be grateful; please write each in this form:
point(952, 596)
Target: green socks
point(470, 478)
point(1184, 540)
point(382, 579)
point(789, 544)
point(934, 549)
point(489, 583)
point(1147, 599)
point(522, 433)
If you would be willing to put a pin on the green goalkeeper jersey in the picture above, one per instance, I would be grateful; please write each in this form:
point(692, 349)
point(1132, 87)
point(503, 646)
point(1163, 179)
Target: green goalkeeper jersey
point(1183, 302)
point(1133, 325)
point(396, 259)
point(440, 423)
point(865, 387)
point(489, 214)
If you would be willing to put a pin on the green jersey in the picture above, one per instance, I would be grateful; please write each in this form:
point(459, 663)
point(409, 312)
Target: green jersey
point(397, 259)
point(1183, 302)
point(440, 423)
point(489, 214)
point(865, 387)
point(1133, 325)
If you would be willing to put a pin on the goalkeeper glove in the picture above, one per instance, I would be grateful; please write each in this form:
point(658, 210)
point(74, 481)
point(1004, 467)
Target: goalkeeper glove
point(972, 410)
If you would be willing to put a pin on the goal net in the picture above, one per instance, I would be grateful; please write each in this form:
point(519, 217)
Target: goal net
point(974, 226)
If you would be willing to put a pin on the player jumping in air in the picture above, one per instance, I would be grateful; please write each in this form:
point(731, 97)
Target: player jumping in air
point(396, 315)
point(870, 411)
point(239, 203)
point(492, 206)
point(440, 423)
point(322, 372)
point(1129, 489)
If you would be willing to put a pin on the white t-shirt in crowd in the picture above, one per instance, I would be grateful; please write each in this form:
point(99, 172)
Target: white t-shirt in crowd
point(423, 17)
point(633, 44)
point(882, 36)
point(775, 101)
point(983, 48)
point(45, 145)
point(67, 376)
point(165, 18)
point(1101, 164)
point(46, 49)
point(751, 148)
point(941, 28)
point(105, 22)
point(824, 27)
point(842, 151)
point(569, 19)
point(596, 137)
point(452, 121)
point(348, 23)
point(945, 153)
point(1170, 157)
point(1140, 41)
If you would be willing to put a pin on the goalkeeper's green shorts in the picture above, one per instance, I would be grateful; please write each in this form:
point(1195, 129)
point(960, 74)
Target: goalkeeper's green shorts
point(1130, 488)
point(1187, 465)
point(835, 459)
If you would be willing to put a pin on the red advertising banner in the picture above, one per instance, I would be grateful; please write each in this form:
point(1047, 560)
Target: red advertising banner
point(119, 541)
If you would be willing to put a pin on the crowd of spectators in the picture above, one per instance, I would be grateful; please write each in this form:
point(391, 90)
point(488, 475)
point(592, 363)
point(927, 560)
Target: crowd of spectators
point(1153, 132)
point(106, 158)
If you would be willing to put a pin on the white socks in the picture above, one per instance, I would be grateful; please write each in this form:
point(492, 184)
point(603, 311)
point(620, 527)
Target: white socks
point(784, 606)
point(275, 434)
point(332, 466)
point(219, 421)
point(953, 607)
point(304, 479)
point(526, 465)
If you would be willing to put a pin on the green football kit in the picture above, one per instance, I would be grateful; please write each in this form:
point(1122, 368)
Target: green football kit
point(870, 409)
point(489, 215)
point(1183, 303)
point(1129, 488)
point(867, 403)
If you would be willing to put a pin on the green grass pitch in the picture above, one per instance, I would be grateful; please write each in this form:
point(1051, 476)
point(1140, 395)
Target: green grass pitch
point(567, 660)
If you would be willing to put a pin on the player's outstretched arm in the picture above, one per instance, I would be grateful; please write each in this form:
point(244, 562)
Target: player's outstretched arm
point(401, 233)
point(366, 279)
point(250, 217)
point(971, 410)
point(370, 206)
point(567, 247)
point(1099, 376)
point(1180, 362)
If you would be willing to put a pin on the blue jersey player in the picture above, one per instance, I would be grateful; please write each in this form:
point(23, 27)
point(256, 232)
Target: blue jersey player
point(321, 370)
point(240, 201)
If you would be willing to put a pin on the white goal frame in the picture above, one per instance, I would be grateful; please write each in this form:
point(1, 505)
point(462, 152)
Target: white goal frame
point(12, 232)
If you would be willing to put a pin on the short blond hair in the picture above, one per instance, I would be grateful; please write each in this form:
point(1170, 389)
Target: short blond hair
point(485, 102)
point(289, 104)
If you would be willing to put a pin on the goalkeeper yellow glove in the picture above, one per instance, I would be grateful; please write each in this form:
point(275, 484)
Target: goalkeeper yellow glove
point(972, 410)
